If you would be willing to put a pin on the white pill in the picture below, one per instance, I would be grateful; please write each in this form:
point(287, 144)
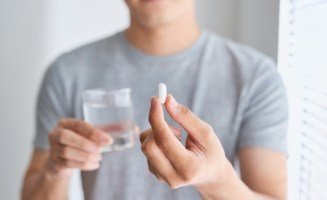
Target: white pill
point(162, 92)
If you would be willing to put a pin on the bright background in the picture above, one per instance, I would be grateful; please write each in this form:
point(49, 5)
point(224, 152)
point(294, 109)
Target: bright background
point(33, 33)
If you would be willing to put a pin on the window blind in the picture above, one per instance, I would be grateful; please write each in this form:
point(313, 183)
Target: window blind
point(303, 65)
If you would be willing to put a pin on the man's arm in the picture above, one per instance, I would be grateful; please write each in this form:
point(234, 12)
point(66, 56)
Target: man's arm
point(39, 183)
point(263, 176)
point(264, 170)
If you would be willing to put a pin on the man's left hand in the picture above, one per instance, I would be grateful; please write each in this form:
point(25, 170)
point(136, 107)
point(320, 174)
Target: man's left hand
point(201, 162)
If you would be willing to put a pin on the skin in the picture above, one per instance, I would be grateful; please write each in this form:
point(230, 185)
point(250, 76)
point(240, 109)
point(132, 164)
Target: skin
point(74, 144)
point(202, 162)
point(160, 27)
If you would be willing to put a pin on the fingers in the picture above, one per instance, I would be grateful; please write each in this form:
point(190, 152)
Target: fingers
point(152, 170)
point(68, 157)
point(194, 126)
point(176, 131)
point(71, 153)
point(144, 135)
point(72, 139)
point(76, 144)
point(158, 163)
point(164, 137)
point(85, 166)
point(167, 157)
point(86, 130)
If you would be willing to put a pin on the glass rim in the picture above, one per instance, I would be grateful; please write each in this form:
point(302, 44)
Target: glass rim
point(105, 91)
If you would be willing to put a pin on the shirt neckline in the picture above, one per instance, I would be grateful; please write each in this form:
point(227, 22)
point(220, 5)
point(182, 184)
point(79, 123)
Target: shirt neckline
point(138, 55)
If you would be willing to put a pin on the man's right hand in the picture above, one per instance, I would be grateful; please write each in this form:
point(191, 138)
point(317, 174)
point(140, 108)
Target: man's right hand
point(75, 144)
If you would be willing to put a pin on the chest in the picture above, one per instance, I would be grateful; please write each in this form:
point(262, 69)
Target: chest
point(207, 92)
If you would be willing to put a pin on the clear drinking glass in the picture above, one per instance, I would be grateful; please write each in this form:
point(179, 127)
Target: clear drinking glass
point(112, 112)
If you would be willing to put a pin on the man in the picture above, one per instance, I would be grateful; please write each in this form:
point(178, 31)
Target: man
point(234, 105)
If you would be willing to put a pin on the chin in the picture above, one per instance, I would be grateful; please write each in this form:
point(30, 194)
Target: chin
point(155, 20)
point(156, 16)
point(153, 13)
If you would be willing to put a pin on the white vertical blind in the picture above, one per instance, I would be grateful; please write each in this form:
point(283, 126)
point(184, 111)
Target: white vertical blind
point(303, 64)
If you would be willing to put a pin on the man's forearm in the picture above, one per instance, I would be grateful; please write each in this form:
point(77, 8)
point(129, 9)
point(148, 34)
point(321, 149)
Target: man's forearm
point(43, 185)
point(234, 188)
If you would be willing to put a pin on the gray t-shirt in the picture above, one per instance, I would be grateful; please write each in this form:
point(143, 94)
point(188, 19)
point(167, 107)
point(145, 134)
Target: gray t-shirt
point(232, 87)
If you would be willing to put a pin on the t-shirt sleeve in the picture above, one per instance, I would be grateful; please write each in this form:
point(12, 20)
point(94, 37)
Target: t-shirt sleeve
point(265, 115)
point(51, 105)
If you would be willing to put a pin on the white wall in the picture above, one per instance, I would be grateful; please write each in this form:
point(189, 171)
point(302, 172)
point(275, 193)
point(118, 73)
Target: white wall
point(251, 22)
point(74, 22)
point(21, 50)
point(258, 25)
point(32, 33)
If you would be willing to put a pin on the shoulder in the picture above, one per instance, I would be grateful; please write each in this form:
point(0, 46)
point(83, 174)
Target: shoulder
point(243, 56)
point(242, 63)
point(80, 62)
point(87, 56)
point(91, 51)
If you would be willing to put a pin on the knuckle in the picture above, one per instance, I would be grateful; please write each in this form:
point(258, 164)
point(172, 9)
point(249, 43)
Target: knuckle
point(185, 111)
point(207, 131)
point(64, 151)
point(164, 145)
point(187, 176)
point(146, 149)
point(61, 122)
point(81, 144)
point(207, 128)
point(62, 136)
point(160, 129)
point(142, 138)
point(53, 133)
point(78, 124)
point(143, 135)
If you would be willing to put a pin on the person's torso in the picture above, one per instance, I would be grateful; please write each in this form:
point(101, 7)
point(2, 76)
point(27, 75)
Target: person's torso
point(207, 78)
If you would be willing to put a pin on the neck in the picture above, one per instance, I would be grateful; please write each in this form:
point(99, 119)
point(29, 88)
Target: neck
point(166, 39)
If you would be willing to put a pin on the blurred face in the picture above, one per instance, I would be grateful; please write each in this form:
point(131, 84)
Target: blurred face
point(154, 13)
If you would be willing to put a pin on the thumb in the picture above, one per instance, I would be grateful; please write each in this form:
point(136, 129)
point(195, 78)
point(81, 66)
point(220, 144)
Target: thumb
point(193, 125)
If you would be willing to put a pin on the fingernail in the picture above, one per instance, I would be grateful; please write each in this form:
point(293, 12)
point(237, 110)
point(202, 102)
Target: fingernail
point(105, 139)
point(153, 98)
